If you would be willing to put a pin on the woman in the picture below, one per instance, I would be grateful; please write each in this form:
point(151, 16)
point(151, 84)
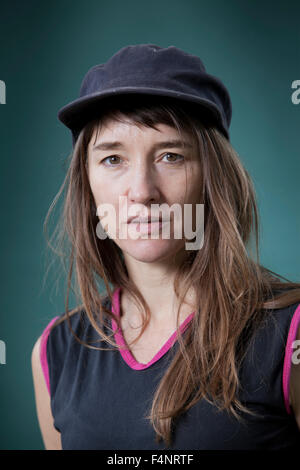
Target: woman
point(190, 346)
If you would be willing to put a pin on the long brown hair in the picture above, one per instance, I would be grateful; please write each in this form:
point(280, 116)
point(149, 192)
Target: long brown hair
point(234, 291)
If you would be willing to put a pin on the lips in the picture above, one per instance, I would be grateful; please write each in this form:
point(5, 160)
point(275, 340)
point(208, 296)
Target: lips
point(143, 220)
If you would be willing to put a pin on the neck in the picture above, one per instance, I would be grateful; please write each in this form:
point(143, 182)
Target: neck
point(155, 281)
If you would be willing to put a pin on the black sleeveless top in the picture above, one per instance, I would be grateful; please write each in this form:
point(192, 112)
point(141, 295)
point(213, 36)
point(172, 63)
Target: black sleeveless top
point(99, 398)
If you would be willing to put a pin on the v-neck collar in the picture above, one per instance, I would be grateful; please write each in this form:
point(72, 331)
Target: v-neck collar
point(126, 353)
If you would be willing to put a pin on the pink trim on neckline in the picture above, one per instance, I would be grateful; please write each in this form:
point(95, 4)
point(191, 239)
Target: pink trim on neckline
point(126, 353)
point(287, 358)
point(43, 352)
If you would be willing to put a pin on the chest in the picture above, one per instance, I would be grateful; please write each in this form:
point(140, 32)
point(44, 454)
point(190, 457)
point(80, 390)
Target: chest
point(107, 401)
point(107, 404)
point(151, 342)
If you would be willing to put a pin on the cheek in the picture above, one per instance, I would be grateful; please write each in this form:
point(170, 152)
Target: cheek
point(194, 186)
point(187, 189)
point(193, 212)
point(101, 190)
point(106, 200)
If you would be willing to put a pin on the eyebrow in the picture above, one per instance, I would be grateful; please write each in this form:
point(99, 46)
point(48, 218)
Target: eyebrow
point(159, 145)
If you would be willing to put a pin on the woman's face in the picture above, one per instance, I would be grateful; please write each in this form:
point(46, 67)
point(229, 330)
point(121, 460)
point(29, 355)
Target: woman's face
point(140, 170)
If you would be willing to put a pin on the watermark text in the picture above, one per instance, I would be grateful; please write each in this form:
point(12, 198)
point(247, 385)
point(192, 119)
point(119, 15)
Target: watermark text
point(2, 352)
point(2, 92)
point(162, 221)
point(295, 97)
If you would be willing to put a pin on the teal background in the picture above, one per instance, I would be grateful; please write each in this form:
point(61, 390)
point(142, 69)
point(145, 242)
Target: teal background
point(45, 50)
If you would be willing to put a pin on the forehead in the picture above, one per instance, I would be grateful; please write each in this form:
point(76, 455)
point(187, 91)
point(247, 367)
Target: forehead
point(128, 130)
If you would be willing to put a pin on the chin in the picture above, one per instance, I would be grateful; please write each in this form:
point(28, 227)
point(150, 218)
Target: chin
point(149, 251)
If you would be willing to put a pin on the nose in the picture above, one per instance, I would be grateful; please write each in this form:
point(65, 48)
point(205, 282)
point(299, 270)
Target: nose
point(142, 185)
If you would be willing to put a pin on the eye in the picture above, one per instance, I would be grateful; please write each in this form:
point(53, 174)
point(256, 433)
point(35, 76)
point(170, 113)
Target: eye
point(113, 159)
point(175, 155)
point(108, 158)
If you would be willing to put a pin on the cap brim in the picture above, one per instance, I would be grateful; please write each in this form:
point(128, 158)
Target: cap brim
point(78, 112)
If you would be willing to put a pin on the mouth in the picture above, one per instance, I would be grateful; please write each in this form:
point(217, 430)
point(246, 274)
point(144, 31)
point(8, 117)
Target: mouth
point(145, 220)
point(147, 227)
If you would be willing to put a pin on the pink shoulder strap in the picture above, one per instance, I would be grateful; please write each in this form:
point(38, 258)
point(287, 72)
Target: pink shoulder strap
point(288, 357)
point(43, 352)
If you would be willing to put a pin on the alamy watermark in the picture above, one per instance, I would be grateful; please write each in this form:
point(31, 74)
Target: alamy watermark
point(295, 97)
point(2, 352)
point(138, 223)
point(2, 92)
point(296, 354)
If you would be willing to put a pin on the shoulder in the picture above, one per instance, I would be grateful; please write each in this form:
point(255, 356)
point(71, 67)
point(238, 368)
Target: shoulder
point(291, 372)
point(55, 330)
point(62, 327)
point(278, 331)
point(58, 339)
point(268, 352)
point(280, 348)
point(280, 321)
point(294, 362)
